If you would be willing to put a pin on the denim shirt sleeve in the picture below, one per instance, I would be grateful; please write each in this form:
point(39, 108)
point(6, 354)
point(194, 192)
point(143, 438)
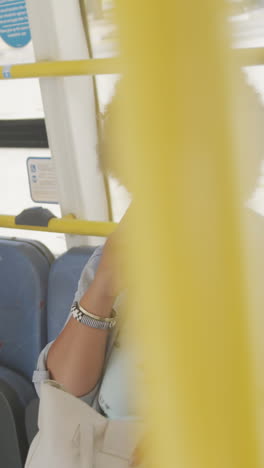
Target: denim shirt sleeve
point(41, 373)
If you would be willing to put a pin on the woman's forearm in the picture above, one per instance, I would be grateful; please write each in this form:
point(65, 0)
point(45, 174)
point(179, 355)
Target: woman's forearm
point(76, 357)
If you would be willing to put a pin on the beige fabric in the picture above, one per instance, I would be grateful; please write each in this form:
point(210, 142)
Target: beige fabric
point(73, 435)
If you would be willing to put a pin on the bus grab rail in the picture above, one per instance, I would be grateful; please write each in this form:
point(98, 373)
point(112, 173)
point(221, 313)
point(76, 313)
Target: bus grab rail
point(250, 56)
point(247, 57)
point(61, 68)
point(67, 224)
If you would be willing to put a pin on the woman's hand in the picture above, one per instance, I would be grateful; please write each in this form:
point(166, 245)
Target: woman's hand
point(109, 277)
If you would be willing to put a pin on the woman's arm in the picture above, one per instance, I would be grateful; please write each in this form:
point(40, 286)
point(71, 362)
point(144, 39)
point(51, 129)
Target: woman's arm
point(76, 357)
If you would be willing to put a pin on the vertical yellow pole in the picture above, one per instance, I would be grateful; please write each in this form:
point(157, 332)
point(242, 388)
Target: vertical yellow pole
point(186, 261)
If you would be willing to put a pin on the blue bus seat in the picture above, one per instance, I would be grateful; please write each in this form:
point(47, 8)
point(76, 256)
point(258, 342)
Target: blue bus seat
point(13, 440)
point(63, 281)
point(24, 271)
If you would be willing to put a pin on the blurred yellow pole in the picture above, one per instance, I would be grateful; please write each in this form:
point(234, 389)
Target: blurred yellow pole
point(186, 261)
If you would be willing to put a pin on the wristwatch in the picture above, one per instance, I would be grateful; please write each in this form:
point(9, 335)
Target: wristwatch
point(91, 320)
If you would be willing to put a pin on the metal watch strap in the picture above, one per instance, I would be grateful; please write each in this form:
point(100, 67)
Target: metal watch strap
point(89, 321)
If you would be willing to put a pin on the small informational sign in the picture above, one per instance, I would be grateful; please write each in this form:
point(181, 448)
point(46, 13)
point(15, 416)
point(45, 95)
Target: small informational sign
point(42, 180)
point(14, 24)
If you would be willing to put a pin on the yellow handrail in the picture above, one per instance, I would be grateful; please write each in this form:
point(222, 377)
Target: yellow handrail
point(246, 57)
point(250, 57)
point(66, 225)
point(61, 68)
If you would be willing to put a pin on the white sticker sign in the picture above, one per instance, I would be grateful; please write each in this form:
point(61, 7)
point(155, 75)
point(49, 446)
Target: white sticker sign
point(42, 180)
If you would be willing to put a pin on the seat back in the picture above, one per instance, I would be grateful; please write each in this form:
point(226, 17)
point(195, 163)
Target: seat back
point(24, 271)
point(63, 281)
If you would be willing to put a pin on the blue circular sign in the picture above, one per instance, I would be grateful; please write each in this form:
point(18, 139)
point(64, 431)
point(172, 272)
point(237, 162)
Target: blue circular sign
point(14, 24)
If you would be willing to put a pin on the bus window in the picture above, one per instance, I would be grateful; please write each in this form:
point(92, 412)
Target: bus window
point(21, 99)
point(246, 20)
point(103, 38)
